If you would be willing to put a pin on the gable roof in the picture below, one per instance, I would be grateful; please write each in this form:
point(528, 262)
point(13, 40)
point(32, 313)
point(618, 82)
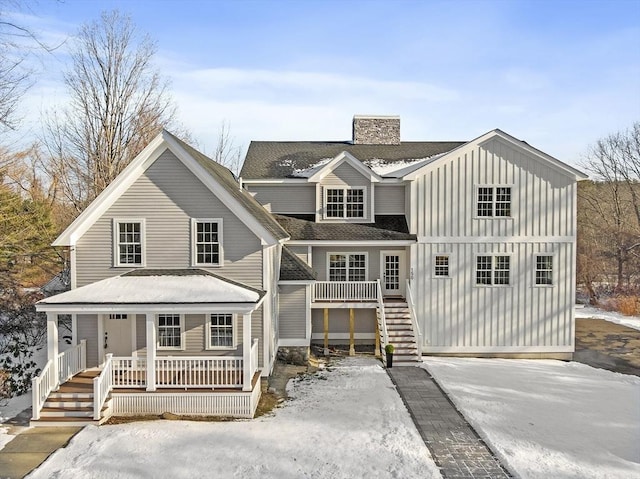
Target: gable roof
point(218, 179)
point(293, 268)
point(343, 157)
point(281, 159)
point(386, 228)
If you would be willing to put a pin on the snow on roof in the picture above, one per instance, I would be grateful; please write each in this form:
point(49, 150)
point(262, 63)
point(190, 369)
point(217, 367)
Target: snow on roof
point(158, 289)
point(310, 170)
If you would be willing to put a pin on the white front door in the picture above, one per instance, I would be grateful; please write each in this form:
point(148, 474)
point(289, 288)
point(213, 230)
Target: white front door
point(118, 331)
point(393, 272)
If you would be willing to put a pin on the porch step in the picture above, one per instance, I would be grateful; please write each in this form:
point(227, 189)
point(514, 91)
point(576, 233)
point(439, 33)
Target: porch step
point(400, 333)
point(68, 404)
point(49, 412)
point(65, 422)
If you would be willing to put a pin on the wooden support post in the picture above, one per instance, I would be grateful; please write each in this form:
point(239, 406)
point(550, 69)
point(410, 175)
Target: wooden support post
point(151, 351)
point(377, 350)
point(352, 344)
point(326, 331)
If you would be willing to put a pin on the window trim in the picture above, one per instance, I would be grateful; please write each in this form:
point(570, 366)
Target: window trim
point(433, 270)
point(325, 191)
point(494, 187)
point(115, 227)
point(347, 253)
point(194, 249)
point(234, 332)
point(182, 346)
point(553, 270)
point(493, 256)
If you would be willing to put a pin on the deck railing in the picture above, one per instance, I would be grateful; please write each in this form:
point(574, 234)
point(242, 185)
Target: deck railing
point(102, 386)
point(345, 291)
point(129, 372)
point(382, 322)
point(68, 362)
point(414, 319)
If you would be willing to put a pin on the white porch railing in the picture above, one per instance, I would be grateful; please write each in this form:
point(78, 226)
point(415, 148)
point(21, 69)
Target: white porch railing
point(414, 319)
point(69, 362)
point(345, 291)
point(199, 372)
point(129, 372)
point(382, 321)
point(102, 386)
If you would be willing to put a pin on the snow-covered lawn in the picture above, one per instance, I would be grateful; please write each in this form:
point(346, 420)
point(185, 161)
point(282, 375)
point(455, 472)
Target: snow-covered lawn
point(345, 423)
point(595, 313)
point(549, 419)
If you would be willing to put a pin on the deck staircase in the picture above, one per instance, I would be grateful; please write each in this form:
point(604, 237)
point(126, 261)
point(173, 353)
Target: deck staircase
point(400, 332)
point(72, 403)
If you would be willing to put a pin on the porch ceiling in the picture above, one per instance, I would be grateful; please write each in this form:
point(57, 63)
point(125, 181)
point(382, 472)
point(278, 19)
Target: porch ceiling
point(159, 289)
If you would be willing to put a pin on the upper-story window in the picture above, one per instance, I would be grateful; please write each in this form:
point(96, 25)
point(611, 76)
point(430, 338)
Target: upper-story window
point(441, 266)
point(347, 267)
point(493, 270)
point(344, 203)
point(494, 201)
point(207, 242)
point(128, 242)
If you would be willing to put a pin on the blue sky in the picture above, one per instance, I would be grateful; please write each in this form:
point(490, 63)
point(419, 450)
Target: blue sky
point(558, 74)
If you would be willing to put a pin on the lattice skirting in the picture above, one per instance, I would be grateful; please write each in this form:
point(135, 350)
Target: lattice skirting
point(232, 404)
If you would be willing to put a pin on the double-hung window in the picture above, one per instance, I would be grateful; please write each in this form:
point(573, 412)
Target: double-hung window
point(128, 237)
point(344, 203)
point(221, 331)
point(347, 267)
point(493, 201)
point(207, 242)
point(493, 270)
point(544, 270)
point(170, 331)
point(441, 266)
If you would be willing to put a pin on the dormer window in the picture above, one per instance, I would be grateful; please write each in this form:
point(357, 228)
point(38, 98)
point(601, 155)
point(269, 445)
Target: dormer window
point(344, 203)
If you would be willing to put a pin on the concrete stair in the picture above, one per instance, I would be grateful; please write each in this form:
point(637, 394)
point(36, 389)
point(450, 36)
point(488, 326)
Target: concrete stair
point(72, 403)
point(400, 332)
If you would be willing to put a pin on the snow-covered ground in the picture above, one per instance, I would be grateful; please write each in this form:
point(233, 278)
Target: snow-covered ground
point(549, 419)
point(595, 313)
point(345, 423)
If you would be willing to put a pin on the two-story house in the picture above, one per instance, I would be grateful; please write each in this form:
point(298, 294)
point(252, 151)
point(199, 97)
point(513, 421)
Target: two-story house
point(187, 281)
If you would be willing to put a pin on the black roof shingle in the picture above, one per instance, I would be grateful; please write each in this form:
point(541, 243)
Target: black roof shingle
point(293, 268)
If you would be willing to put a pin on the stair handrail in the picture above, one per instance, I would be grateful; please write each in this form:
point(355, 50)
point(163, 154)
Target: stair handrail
point(41, 387)
point(102, 385)
point(383, 321)
point(414, 319)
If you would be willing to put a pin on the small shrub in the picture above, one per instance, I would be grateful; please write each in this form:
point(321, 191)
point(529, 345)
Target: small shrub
point(389, 348)
point(5, 387)
point(628, 305)
point(20, 368)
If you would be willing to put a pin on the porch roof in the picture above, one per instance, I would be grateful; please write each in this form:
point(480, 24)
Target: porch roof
point(157, 287)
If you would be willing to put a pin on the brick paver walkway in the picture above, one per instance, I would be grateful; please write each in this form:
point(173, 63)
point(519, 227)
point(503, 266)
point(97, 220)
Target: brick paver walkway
point(454, 445)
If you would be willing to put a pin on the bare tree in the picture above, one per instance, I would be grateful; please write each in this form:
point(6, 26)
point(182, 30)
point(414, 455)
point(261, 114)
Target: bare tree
point(119, 102)
point(226, 152)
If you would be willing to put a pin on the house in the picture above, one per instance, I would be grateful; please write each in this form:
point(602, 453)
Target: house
point(187, 283)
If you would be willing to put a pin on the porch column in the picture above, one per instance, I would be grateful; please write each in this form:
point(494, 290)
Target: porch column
point(52, 346)
point(326, 331)
point(247, 367)
point(151, 351)
point(352, 344)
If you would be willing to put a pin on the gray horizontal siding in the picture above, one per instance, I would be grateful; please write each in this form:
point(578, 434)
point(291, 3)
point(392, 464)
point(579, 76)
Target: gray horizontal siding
point(345, 175)
point(88, 329)
point(293, 318)
point(321, 258)
point(301, 252)
point(389, 200)
point(167, 196)
point(286, 198)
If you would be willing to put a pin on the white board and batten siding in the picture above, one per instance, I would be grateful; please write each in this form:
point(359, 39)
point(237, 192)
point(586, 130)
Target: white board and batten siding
point(457, 315)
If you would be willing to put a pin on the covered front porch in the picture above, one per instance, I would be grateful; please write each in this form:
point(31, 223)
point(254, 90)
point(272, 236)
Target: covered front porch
point(192, 357)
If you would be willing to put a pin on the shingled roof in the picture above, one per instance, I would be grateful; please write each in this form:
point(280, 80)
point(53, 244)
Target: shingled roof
point(279, 159)
point(223, 176)
point(386, 227)
point(293, 268)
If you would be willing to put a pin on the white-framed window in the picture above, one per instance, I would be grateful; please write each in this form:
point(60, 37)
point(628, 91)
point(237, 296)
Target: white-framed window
point(493, 270)
point(128, 242)
point(170, 331)
point(344, 203)
point(493, 201)
point(544, 270)
point(206, 242)
point(347, 266)
point(441, 266)
point(221, 328)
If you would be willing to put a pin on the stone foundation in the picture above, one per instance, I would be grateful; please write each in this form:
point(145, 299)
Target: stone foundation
point(298, 355)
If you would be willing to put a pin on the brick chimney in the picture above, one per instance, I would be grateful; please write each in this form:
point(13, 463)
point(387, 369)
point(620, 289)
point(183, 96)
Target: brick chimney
point(376, 130)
